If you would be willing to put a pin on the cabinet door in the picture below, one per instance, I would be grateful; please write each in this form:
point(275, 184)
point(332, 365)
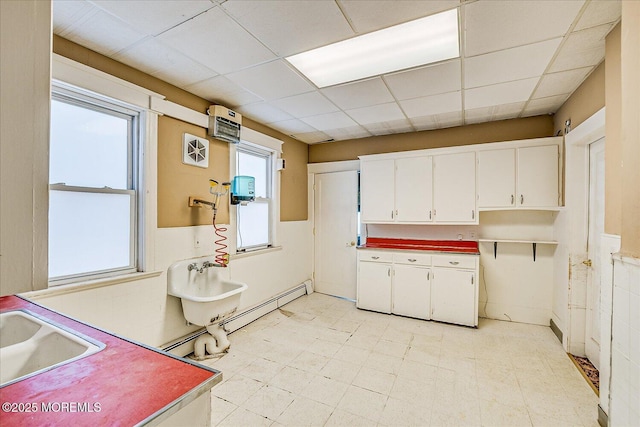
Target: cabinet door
point(374, 286)
point(377, 190)
point(454, 188)
point(497, 178)
point(411, 291)
point(538, 176)
point(414, 189)
point(453, 296)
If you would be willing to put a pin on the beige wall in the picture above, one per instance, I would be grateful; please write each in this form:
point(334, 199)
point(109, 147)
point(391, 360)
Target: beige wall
point(613, 131)
point(506, 130)
point(630, 165)
point(176, 182)
point(584, 102)
point(25, 82)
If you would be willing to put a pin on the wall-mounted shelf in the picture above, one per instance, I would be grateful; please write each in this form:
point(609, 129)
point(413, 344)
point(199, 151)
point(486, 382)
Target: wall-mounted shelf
point(533, 244)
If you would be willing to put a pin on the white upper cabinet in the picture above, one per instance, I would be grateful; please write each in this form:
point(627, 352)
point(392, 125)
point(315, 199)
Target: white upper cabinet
point(538, 176)
point(396, 190)
point(377, 190)
point(497, 178)
point(414, 189)
point(454, 188)
point(525, 177)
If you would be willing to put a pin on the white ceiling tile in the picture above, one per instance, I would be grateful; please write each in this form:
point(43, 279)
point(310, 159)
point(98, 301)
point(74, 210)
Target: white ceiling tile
point(325, 122)
point(600, 12)
point(223, 91)
point(292, 127)
point(510, 64)
point(301, 25)
point(314, 137)
point(425, 81)
point(359, 94)
point(163, 62)
point(271, 80)
point(436, 104)
point(377, 113)
point(561, 83)
point(389, 127)
point(582, 49)
point(306, 104)
point(367, 16)
point(153, 20)
point(70, 13)
point(264, 112)
point(206, 37)
point(352, 132)
point(496, 112)
point(548, 105)
point(495, 24)
point(424, 123)
point(447, 120)
point(102, 33)
point(504, 93)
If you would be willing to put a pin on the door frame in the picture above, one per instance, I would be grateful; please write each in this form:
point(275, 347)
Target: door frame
point(576, 233)
point(312, 170)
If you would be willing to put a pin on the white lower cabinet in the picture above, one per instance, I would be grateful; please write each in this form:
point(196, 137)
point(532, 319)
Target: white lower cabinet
point(411, 293)
point(374, 286)
point(454, 296)
point(418, 285)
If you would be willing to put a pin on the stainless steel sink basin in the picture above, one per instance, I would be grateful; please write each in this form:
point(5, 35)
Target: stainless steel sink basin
point(31, 344)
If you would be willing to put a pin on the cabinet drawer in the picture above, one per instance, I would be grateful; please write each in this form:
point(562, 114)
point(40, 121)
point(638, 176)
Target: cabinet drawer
point(412, 258)
point(459, 261)
point(375, 256)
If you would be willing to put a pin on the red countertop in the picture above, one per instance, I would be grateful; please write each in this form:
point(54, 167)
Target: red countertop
point(449, 246)
point(124, 384)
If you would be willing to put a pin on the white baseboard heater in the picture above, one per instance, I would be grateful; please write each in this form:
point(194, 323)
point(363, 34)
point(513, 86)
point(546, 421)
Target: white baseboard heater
point(184, 345)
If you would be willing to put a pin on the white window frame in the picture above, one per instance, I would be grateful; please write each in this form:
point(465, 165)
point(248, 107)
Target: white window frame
point(269, 155)
point(135, 116)
point(260, 141)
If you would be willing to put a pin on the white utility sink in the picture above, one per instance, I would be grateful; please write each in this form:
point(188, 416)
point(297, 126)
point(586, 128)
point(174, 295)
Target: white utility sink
point(30, 344)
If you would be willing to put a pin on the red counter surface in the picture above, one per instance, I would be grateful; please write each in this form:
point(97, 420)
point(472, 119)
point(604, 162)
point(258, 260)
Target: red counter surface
point(124, 384)
point(450, 246)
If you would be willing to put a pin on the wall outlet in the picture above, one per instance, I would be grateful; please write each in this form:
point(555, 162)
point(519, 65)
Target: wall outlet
point(196, 242)
point(472, 235)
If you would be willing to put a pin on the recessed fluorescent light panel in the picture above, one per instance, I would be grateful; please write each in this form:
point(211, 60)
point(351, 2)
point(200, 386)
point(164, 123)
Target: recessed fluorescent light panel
point(420, 42)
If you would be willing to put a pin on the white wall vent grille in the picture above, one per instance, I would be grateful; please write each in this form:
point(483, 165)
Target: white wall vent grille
point(195, 151)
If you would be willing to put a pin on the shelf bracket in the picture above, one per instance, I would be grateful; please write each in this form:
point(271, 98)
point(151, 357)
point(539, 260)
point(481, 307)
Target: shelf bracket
point(534, 251)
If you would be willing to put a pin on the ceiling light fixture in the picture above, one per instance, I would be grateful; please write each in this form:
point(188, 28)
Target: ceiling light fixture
point(419, 42)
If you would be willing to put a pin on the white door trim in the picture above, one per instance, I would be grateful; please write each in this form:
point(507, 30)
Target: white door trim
point(576, 234)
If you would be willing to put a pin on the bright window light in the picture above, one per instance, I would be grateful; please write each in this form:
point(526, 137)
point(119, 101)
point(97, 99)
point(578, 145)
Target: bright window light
point(423, 41)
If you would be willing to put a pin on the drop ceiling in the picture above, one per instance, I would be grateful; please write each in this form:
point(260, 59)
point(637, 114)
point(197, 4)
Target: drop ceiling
point(518, 58)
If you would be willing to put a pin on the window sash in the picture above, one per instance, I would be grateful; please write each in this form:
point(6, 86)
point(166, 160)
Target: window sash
point(133, 233)
point(268, 157)
point(134, 118)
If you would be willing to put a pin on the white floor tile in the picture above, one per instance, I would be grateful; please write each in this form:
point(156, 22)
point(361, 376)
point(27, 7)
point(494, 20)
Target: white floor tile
point(305, 412)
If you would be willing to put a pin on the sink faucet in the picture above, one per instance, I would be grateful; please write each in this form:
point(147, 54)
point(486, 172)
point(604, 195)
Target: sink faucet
point(192, 266)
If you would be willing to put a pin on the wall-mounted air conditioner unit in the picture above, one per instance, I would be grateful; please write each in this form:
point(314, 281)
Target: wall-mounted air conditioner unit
point(224, 124)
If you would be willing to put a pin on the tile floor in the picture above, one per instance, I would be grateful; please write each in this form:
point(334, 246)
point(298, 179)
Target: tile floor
point(320, 361)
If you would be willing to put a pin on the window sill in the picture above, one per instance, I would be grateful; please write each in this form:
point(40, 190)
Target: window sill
point(89, 284)
point(256, 252)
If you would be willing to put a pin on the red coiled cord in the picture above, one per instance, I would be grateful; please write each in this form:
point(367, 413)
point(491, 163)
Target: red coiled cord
point(222, 257)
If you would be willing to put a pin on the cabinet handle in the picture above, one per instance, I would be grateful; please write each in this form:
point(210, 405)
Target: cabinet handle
point(389, 272)
point(429, 214)
point(411, 259)
point(473, 214)
point(375, 257)
point(427, 275)
point(472, 279)
point(392, 214)
point(521, 199)
point(512, 199)
point(454, 262)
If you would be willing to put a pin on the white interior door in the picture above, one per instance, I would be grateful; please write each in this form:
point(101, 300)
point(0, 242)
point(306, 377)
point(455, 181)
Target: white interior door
point(336, 233)
point(596, 229)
